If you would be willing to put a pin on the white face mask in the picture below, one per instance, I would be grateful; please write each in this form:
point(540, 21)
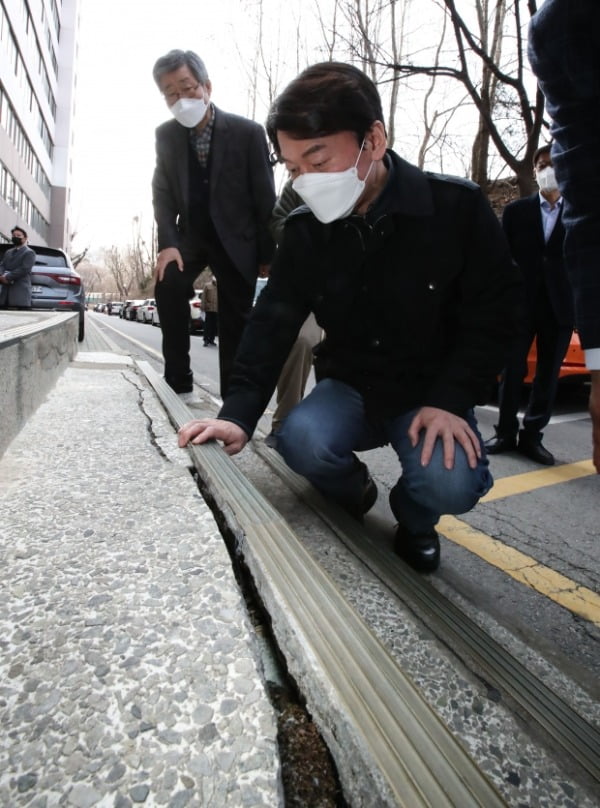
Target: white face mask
point(331, 195)
point(546, 179)
point(189, 111)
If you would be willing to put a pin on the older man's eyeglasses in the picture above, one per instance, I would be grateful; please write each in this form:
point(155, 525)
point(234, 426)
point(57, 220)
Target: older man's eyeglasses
point(183, 92)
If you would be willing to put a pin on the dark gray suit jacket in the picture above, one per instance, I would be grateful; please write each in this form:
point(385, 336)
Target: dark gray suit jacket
point(16, 266)
point(242, 191)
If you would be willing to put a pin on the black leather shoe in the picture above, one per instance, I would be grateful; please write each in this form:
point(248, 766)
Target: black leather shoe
point(366, 502)
point(420, 550)
point(534, 450)
point(499, 444)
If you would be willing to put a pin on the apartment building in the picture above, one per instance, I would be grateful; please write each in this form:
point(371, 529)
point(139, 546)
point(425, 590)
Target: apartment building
point(38, 48)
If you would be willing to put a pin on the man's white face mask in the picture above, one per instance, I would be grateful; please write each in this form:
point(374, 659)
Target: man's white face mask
point(546, 179)
point(331, 195)
point(189, 111)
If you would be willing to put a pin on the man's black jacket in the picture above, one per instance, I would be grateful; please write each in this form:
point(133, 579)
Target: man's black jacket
point(417, 299)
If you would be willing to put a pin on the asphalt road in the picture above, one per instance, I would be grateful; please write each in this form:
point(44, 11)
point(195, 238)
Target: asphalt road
point(525, 560)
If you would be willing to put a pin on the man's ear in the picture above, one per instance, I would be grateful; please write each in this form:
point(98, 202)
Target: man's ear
point(376, 140)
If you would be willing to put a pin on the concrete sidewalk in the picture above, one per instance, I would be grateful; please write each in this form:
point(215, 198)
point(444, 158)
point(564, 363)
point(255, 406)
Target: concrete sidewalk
point(129, 671)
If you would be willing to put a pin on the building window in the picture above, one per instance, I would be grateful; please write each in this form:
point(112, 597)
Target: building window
point(15, 131)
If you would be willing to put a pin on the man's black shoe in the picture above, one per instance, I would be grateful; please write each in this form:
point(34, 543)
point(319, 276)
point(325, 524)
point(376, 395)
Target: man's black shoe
point(534, 450)
point(420, 550)
point(359, 509)
point(499, 444)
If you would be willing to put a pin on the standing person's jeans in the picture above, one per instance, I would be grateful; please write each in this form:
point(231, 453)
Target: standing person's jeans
point(319, 437)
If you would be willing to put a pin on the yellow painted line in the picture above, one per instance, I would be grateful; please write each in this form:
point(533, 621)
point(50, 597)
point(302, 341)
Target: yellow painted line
point(577, 599)
point(532, 480)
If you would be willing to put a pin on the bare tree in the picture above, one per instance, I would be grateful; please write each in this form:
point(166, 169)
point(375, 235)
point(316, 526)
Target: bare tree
point(92, 276)
point(120, 271)
point(516, 141)
point(141, 256)
point(369, 33)
point(78, 257)
point(490, 36)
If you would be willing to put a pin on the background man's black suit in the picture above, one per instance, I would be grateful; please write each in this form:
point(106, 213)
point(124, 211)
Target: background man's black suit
point(547, 315)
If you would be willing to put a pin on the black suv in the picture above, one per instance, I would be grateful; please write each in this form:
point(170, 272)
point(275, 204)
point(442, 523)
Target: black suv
point(55, 285)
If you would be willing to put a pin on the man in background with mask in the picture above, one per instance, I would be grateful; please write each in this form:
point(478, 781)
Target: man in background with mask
point(15, 272)
point(423, 259)
point(535, 234)
point(213, 193)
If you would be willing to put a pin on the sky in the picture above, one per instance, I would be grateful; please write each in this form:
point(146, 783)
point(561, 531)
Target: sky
point(118, 106)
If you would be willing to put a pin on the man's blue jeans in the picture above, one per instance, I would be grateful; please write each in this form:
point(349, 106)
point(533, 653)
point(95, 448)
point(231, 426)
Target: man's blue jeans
point(320, 435)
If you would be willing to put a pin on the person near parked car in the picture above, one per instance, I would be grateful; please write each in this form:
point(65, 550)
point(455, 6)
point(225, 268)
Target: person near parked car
point(564, 51)
point(210, 307)
point(533, 226)
point(213, 193)
point(424, 258)
point(294, 375)
point(15, 272)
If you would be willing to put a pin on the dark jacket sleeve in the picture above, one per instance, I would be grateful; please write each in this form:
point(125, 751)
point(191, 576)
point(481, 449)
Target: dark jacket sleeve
point(166, 196)
point(280, 311)
point(486, 312)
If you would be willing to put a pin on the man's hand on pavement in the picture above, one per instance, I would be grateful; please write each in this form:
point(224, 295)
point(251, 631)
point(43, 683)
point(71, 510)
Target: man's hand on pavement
point(448, 428)
point(198, 431)
point(164, 258)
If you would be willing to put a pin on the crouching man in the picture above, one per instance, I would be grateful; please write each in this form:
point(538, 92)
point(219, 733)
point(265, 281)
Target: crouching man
point(411, 279)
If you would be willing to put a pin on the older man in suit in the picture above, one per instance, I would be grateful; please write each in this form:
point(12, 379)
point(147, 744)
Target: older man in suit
point(213, 193)
point(535, 234)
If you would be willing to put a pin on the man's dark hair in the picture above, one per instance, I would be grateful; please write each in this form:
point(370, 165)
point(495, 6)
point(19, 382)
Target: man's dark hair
point(175, 59)
point(20, 230)
point(545, 149)
point(325, 99)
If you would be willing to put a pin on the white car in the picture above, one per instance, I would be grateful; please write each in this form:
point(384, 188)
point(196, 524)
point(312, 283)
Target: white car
point(144, 313)
point(155, 317)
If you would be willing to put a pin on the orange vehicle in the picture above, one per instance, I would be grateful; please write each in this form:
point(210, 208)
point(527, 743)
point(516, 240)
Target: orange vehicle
point(573, 367)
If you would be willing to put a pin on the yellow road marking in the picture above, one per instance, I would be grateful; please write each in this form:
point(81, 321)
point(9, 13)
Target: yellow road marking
point(532, 480)
point(524, 569)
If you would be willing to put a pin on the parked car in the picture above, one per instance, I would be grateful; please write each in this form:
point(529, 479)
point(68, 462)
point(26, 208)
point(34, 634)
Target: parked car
point(573, 367)
point(55, 285)
point(196, 313)
point(114, 307)
point(124, 307)
point(144, 312)
point(130, 312)
point(155, 317)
